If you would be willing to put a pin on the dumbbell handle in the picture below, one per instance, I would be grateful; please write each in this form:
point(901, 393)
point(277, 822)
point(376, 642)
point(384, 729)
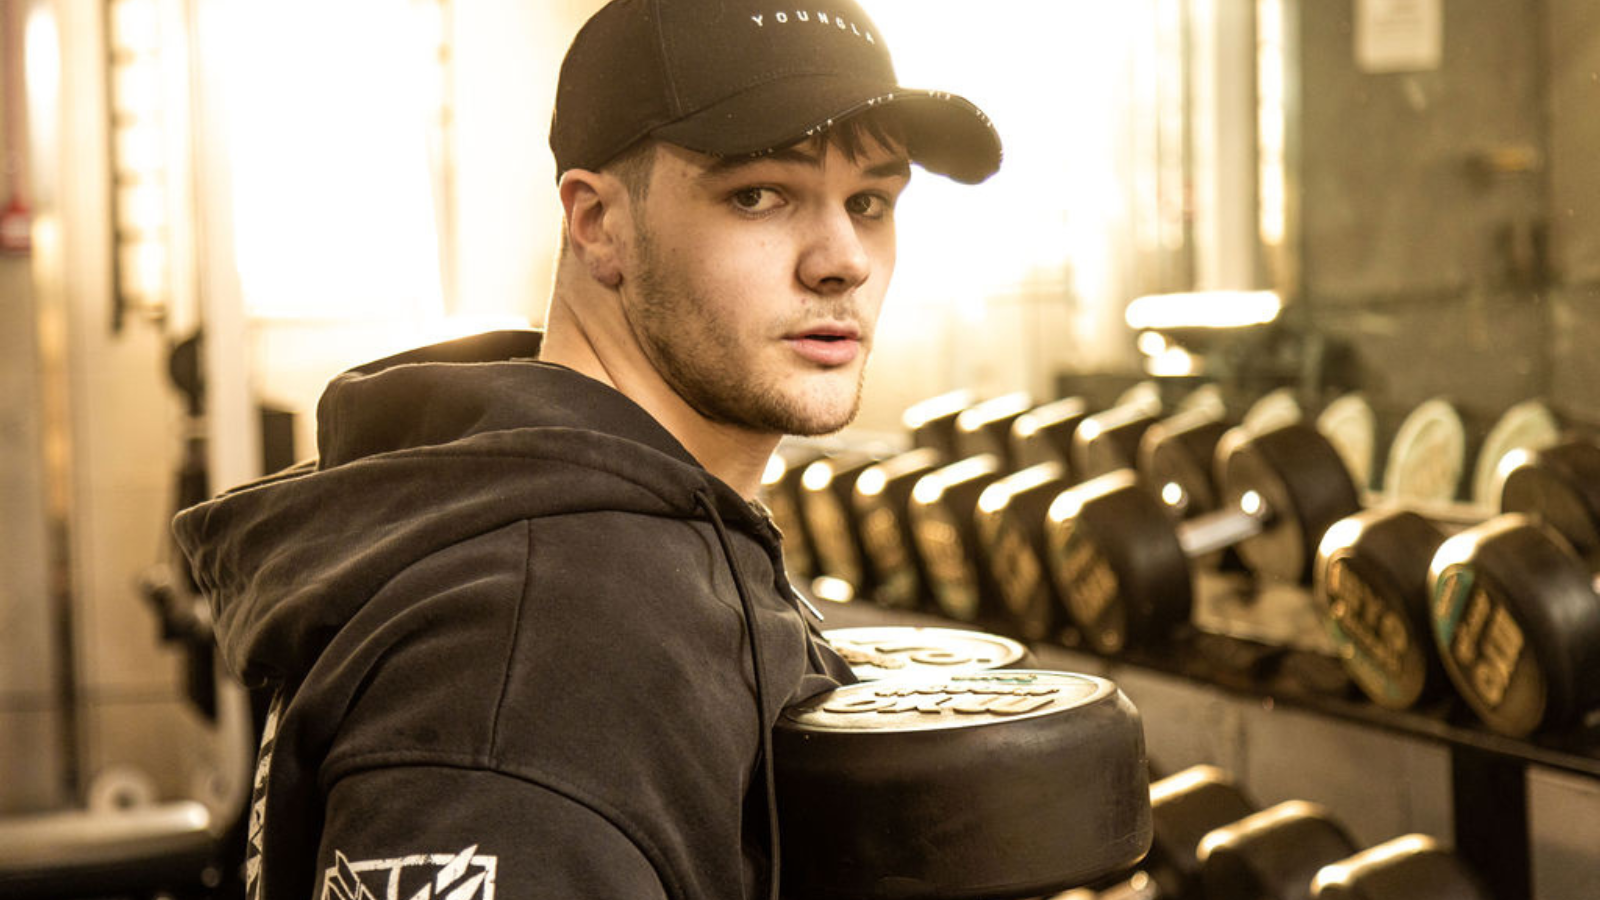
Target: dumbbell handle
point(1226, 527)
point(1223, 528)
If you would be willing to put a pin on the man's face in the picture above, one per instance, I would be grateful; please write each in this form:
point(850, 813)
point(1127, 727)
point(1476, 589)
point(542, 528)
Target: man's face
point(754, 286)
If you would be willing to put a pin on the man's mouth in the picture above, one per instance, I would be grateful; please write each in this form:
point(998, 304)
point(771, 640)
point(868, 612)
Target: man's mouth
point(827, 346)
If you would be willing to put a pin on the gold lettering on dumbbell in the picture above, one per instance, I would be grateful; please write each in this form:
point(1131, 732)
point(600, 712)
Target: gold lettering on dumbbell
point(830, 530)
point(1015, 565)
point(1369, 623)
point(880, 533)
point(941, 698)
point(1088, 581)
point(946, 558)
point(856, 655)
point(1487, 646)
point(896, 656)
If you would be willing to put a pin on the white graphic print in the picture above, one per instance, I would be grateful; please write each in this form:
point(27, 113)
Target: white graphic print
point(258, 798)
point(435, 876)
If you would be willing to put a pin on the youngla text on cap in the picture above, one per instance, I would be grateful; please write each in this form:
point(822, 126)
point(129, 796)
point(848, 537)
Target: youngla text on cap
point(786, 17)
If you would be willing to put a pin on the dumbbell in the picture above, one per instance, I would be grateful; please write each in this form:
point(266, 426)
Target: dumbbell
point(1044, 434)
point(943, 524)
point(880, 499)
point(1124, 565)
point(1108, 440)
point(1009, 521)
point(942, 428)
point(1176, 456)
point(827, 487)
point(1409, 867)
point(987, 427)
point(1428, 455)
point(1274, 854)
point(932, 422)
point(1371, 576)
point(780, 492)
point(1006, 557)
point(1516, 619)
point(995, 784)
point(876, 652)
point(944, 517)
point(1184, 808)
point(1297, 851)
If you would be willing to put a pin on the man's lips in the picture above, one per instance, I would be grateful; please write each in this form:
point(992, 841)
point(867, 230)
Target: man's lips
point(827, 345)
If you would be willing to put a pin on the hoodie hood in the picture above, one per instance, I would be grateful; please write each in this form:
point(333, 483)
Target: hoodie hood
point(415, 456)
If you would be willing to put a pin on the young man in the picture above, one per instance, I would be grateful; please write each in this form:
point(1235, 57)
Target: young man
point(527, 628)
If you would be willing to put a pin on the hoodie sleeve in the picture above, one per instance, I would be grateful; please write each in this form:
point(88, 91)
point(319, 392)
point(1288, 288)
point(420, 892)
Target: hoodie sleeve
point(465, 834)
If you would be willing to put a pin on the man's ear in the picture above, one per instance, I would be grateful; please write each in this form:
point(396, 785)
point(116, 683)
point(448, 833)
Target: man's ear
point(595, 206)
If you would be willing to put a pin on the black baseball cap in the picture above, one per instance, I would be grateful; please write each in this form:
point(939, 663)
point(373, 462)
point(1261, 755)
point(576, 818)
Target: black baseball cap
point(744, 77)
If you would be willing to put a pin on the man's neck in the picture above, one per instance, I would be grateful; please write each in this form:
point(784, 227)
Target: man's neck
point(735, 455)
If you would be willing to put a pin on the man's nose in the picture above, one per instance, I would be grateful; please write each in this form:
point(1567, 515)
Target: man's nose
point(834, 259)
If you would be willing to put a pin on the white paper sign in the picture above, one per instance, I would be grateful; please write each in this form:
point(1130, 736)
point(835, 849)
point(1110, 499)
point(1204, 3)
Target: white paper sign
point(1399, 35)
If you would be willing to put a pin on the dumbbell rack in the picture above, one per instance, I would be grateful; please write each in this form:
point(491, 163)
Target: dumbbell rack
point(1488, 771)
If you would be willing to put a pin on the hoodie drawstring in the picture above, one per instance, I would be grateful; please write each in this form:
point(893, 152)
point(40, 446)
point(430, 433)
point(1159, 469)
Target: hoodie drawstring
point(765, 731)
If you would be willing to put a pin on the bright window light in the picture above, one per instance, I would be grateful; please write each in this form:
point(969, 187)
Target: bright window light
point(333, 197)
point(1203, 309)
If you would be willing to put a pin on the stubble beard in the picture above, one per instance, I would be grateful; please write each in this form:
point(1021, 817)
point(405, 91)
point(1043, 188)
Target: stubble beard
point(707, 370)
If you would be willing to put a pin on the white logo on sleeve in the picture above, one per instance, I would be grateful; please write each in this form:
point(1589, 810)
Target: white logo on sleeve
point(428, 876)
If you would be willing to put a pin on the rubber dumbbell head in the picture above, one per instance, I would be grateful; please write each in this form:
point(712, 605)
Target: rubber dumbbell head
point(1516, 620)
point(994, 784)
point(1010, 524)
point(941, 512)
point(893, 651)
point(881, 497)
point(1123, 565)
point(932, 422)
point(1371, 583)
point(1409, 867)
point(986, 427)
point(1273, 854)
point(1044, 433)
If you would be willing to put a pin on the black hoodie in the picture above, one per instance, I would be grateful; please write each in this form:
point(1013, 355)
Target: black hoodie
point(508, 618)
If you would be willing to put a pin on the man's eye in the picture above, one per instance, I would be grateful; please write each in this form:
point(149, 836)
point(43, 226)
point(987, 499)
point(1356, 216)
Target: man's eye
point(756, 199)
point(869, 206)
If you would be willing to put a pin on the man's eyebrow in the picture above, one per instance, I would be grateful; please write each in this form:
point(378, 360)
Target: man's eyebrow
point(725, 165)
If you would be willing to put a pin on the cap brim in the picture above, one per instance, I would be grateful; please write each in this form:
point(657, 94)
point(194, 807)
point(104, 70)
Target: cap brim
point(945, 134)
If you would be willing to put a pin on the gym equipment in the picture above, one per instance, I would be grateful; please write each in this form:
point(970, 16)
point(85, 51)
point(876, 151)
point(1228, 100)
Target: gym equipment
point(1371, 583)
point(1000, 784)
point(1371, 576)
point(1428, 455)
point(1044, 434)
point(826, 506)
point(1352, 427)
point(1108, 441)
point(932, 422)
point(882, 494)
point(986, 427)
point(780, 491)
point(1409, 867)
point(1273, 854)
point(895, 651)
point(82, 854)
point(1010, 524)
point(941, 513)
point(1175, 457)
point(1123, 565)
point(1184, 808)
point(1516, 619)
point(1529, 425)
